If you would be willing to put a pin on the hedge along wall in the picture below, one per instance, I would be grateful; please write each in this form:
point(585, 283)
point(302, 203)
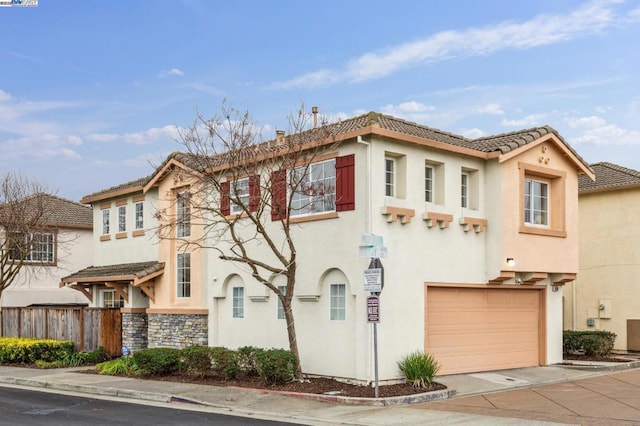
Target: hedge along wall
point(177, 330)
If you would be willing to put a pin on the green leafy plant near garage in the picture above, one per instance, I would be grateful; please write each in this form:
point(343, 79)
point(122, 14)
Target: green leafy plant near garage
point(591, 342)
point(419, 368)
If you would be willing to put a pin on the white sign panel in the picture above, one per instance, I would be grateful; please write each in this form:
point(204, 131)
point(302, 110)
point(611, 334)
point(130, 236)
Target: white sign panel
point(373, 280)
point(373, 252)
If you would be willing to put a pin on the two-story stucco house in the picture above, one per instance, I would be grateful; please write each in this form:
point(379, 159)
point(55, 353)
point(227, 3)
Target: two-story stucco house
point(60, 244)
point(481, 235)
point(604, 295)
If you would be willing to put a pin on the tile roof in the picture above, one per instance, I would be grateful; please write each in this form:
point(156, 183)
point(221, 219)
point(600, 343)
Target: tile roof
point(609, 176)
point(131, 185)
point(59, 212)
point(137, 270)
point(504, 142)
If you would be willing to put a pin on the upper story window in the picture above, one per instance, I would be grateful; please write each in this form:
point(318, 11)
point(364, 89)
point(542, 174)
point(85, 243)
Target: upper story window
point(183, 275)
point(183, 214)
point(315, 188)
point(122, 218)
point(338, 302)
point(464, 189)
point(429, 176)
point(239, 195)
point(536, 202)
point(390, 177)
point(469, 188)
point(105, 221)
point(139, 218)
point(238, 302)
point(36, 247)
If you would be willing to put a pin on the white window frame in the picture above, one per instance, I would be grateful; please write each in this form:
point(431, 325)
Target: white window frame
point(183, 275)
point(111, 299)
point(105, 221)
point(139, 215)
point(183, 214)
point(315, 188)
point(429, 183)
point(239, 191)
point(122, 219)
point(465, 180)
point(283, 290)
point(238, 302)
point(390, 177)
point(537, 202)
point(39, 247)
point(338, 302)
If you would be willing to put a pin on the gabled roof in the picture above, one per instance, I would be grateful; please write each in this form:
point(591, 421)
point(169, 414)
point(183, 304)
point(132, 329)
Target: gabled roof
point(114, 191)
point(123, 271)
point(59, 212)
point(609, 177)
point(372, 122)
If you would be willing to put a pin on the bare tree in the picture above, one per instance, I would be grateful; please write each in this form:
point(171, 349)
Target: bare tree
point(23, 225)
point(244, 192)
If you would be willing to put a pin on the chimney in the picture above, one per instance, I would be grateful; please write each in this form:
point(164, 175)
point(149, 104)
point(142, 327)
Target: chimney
point(314, 111)
point(279, 137)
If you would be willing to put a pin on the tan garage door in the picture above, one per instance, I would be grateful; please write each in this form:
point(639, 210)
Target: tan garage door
point(481, 329)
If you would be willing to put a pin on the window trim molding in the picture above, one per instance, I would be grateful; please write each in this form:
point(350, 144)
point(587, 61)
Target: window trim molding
point(557, 199)
point(177, 282)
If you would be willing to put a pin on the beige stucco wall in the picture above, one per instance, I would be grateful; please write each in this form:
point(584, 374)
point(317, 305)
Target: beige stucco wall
point(38, 285)
point(609, 264)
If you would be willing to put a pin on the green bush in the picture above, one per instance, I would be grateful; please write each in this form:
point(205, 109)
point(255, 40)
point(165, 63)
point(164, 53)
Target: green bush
point(276, 366)
point(247, 359)
point(592, 342)
point(97, 356)
point(157, 361)
point(118, 367)
point(225, 362)
point(28, 351)
point(419, 368)
point(196, 359)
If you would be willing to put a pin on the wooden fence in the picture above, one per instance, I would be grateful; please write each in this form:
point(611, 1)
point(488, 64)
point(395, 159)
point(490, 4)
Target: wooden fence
point(88, 328)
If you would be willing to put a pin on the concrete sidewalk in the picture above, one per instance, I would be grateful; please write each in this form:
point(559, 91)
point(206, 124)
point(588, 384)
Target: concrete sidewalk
point(275, 406)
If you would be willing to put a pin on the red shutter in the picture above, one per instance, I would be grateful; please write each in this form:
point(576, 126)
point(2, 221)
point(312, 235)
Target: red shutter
point(225, 205)
point(254, 192)
point(279, 195)
point(345, 183)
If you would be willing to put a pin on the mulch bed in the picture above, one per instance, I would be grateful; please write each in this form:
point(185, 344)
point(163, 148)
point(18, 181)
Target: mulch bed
point(593, 358)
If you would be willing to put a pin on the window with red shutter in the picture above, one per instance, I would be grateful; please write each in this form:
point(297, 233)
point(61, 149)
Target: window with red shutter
point(254, 192)
point(279, 195)
point(225, 204)
point(345, 183)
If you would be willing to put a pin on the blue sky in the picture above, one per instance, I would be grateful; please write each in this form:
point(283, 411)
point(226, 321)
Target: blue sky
point(92, 92)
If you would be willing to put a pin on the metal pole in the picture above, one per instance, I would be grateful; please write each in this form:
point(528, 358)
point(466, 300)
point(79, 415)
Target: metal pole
point(375, 356)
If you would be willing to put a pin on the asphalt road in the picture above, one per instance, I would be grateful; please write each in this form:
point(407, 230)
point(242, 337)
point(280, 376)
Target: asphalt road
point(27, 407)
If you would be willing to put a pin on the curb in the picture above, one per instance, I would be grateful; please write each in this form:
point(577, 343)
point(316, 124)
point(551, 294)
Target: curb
point(621, 366)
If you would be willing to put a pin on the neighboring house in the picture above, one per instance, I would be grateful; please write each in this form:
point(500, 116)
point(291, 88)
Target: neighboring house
point(61, 245)
point(481, 236)
point(605, 295)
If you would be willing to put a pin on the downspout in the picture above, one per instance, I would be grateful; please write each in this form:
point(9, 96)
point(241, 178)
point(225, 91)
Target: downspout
point(368, 183)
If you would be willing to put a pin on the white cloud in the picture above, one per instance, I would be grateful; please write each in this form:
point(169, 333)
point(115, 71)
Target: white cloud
point(586, 122)
point(173, 72)
point(102, 137)
point(472, 133)
point(151, 135)
point(597, 131)
point(492, 109)
point(603, 109)
point(591, 18)
point(4, 96)
point(529, 120)
point(414, 111)
point(206, 89)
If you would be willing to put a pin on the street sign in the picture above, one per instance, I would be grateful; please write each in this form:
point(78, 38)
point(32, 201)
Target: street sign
point(372, 246)
point(373, 280)
point(373, 309)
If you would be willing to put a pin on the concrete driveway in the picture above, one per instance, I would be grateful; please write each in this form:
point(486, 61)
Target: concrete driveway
point(612, 399)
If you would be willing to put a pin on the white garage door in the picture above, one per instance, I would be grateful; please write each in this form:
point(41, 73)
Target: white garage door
point(481, 329)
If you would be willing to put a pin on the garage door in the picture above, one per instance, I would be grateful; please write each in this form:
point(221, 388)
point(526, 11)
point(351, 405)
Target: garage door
point(481, 329)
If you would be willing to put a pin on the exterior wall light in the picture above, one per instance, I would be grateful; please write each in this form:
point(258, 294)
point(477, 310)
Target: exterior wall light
point(511, 262)
point(555, 288)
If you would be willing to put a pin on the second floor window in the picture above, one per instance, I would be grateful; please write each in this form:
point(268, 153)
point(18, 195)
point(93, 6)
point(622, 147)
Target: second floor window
point(389, 177)
point(122, 218)
point(536, 202)
point(183, 214)
point(315, 188)
point(428, 184)
point(105, 222)
point(464, 190)
point(239, 195)
point(33, 247)
point(183, 276)
point(139, 215)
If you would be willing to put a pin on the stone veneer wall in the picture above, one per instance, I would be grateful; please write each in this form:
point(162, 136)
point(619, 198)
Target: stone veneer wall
point(134, 330)
point(178, 330)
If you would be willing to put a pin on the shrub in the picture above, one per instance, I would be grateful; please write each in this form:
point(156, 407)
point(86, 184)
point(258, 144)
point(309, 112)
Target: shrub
point(24, 350)
point(247, 359)
point(225, 362)
point(97, 356)
point(157, 361)
point(118, 367)
point(276, 366)
point(196, 359)
point(419, 368)
point(592, 342)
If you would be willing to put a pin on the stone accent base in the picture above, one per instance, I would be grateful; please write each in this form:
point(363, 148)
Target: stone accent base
point(134, 330)
point(178, 330)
